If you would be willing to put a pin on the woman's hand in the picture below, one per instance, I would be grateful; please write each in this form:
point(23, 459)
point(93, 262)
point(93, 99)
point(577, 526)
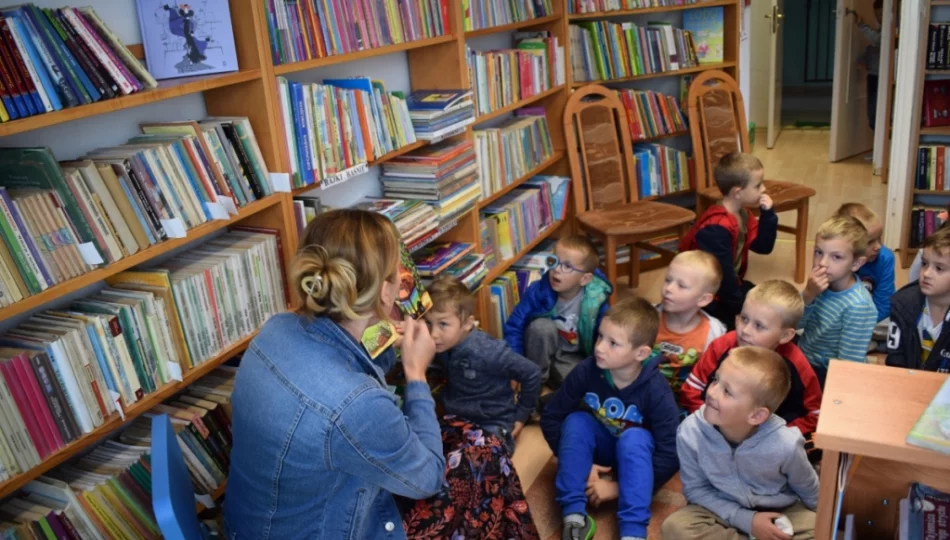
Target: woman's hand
point(417, 348)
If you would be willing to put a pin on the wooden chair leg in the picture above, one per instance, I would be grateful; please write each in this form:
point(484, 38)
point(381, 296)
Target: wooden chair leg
point(610, 248)
point(801, 236)
point(633, 272)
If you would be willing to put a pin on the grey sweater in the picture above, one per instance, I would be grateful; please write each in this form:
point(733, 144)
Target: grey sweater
point(767, 471)
point(479, 371)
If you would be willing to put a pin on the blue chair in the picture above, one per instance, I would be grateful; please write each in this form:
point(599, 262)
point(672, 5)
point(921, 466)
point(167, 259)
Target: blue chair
point(173, 497)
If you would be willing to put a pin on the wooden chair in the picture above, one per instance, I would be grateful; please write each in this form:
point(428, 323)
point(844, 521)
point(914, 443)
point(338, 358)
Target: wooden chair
point(604, 184)
point(717, 124)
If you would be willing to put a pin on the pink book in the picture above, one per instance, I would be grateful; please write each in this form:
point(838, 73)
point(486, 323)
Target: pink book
point(40, 408)
point(26, 412)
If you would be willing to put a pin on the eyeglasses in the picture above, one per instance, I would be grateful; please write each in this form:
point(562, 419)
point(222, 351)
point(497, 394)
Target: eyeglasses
point(554, 263)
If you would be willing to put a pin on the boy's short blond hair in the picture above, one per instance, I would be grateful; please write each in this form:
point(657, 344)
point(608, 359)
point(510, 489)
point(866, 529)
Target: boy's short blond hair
point(865, 215)
point(583, 245)
point(707, 262)
point(735, 170)
point(449, 295)
point(939, 241)
point(638, 318)
point(772, 378)
point(849, 228)
point(781, 296)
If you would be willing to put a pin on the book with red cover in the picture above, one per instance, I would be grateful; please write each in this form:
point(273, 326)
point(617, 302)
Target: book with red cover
point(26, 412)
point(936, 103)
point(35, 395)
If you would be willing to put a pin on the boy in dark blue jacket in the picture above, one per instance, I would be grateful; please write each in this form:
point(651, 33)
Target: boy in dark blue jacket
point(615, 410)
point(556, 322)
point(479, 368)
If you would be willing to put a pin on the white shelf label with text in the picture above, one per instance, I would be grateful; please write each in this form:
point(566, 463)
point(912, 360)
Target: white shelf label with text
point(343, 176)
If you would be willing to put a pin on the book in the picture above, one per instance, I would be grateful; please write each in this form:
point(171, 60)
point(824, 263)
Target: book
point(936, 103)
point(932, 429)
point(929, 508)
point(706, 27)
point(488, 13)
point(187, 39)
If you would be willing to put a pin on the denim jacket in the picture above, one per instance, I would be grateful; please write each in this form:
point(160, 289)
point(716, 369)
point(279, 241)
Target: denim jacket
point(320, 446)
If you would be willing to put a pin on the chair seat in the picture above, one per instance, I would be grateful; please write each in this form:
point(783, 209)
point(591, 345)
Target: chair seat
point(638, 218)
point(785, 195)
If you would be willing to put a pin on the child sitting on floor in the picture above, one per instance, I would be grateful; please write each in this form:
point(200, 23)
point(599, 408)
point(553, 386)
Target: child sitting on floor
point(479, 368)
point(556, 322)
point(741, 469)
point(728, 230)
point(839, 313)
point(685, 329)
point(615, 410)
point(768, 319)
point(917, 337)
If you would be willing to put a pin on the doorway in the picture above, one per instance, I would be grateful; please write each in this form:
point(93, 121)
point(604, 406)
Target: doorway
point(809, 61)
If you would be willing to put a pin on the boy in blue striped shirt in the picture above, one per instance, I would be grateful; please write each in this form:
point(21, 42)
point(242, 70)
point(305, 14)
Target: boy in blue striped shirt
point(839, 312)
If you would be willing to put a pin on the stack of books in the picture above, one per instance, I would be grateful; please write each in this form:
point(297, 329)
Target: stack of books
point(444, 175)
point(416, 221)
point(651, 114)
point(439, 114)
point(507, 153)
point(109, 490)
point(606, 50)
point(433, 259)
point(597, 6)
point(52, 59)
point(502, 77)
point(470, 270)
point(64, 372)
point(306, 207)
point(662, 170)
point(307, 30)
point(480, 14)
point(59, 220)
point(333, 130)
point(533, 265)
point(517, 218)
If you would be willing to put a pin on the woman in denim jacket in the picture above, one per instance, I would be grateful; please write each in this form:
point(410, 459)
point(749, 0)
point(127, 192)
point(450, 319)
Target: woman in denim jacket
point(320, 446)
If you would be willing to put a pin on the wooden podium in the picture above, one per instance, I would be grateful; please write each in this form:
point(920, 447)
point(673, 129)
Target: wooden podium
point(867, 411)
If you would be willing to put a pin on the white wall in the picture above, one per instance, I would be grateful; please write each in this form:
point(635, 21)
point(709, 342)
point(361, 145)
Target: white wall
point(756, 65)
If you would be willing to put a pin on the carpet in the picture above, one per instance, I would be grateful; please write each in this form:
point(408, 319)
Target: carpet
point(547, 514)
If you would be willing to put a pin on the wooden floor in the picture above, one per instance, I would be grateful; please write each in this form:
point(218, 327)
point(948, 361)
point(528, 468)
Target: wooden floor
point(799, 156)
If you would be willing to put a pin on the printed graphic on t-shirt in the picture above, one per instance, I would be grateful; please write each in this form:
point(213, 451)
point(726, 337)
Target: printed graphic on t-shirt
point(677, 363)
point(567, 328)
point(613, 413)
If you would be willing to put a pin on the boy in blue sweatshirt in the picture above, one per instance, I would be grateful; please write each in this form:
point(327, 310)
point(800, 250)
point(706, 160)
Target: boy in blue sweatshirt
point(556, 321)
point(614, 410)
point(877, 273)
point(479, 369)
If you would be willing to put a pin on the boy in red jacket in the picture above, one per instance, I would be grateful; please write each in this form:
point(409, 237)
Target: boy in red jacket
point(728, 230)
point(768, 319)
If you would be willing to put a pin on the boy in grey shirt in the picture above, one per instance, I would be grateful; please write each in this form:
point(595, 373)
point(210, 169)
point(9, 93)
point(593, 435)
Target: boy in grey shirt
point(744, 472)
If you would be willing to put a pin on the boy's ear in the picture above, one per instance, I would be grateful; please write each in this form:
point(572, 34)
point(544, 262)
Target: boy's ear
point(643, 352)
point(734, 192)
point(858, 263)
point(587, 278)
point(705, 299)
point(469, 323)
point(759, 415)
point(788, 334)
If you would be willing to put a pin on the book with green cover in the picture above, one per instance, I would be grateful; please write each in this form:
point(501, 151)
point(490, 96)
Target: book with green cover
point(932, 429)
point(37, 168)
point(706, 26)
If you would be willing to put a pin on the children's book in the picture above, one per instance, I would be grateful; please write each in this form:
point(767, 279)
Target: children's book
point(932, 429)
point(413, 301)
point(187, 39)
point(706, 26)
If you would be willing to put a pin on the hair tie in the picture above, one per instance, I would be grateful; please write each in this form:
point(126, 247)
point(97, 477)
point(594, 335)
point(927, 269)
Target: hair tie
point(310, 282)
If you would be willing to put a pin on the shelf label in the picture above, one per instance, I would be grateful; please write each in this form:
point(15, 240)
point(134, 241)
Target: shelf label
point(174, 228)
point(205, 500)
point(228, 204)
point(457, 131)
point(90, 254)
point(217, 211)
point(174, 371)
point(117, 399)
point(447, 227)
point(280, 181)
point(343, 176)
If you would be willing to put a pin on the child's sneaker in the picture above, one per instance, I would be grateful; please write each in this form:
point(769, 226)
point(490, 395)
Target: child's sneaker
point(573, 530)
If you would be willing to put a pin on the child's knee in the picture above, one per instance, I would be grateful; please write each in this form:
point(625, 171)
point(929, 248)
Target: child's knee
point(540, 328)
point(675, 527)
point(635, 440)
point(577, 422)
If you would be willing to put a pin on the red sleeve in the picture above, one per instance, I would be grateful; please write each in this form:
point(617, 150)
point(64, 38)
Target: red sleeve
point(691, 393)
point(812, 394)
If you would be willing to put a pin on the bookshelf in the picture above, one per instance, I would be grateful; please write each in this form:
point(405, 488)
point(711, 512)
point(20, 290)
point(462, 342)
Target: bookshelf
point(433, 63)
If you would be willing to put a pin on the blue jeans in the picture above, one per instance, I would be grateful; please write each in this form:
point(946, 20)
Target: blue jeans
point(584, 442)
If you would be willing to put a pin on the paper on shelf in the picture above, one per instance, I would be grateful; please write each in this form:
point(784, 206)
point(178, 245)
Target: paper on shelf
point(217, 211)
point(280, 181)
point(118, 403)
point(174, 371)
point(228, 204)
point(90, 254)
point(174, 228)
point(205, 500)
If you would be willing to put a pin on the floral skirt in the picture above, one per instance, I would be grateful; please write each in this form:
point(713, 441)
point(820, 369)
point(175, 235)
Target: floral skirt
point(481, 495)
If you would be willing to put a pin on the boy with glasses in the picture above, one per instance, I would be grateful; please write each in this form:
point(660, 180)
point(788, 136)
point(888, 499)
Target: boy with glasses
point(555, 324)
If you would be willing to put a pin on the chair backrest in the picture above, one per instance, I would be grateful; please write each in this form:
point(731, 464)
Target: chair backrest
point(599, 149)
point(717, 121)
point(173, 497)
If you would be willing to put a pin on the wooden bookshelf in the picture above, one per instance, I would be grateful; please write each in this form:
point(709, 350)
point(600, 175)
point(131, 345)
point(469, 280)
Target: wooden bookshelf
point(513, 27)
point(115, 421)
point(508, 109)
point(661, 136)
point(382, 159)
point(671, 73)
point(931, 192)
point(487, 200)
point(647, 11)
point(943, 131)
point(305, 65)
point(215, 496)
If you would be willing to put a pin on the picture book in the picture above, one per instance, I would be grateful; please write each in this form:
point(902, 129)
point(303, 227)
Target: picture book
point(437, 100)
point(706, 26)
point(187, 39)
point(932, 429)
